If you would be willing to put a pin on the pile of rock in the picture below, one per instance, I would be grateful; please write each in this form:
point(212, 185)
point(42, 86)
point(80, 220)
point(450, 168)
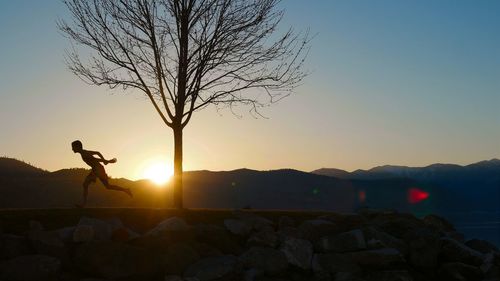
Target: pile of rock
point(368, 245)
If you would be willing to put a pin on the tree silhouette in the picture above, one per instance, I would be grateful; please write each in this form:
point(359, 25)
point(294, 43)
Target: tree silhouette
point(185, 55)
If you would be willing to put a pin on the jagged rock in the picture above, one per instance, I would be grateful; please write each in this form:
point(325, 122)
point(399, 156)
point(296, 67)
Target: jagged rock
point(455, 251)
point(379, 258)
point(482, 246)
point(204, 249)
point(112, 260)
point(35, 226)
point(346, 221)
point(269, 260)
point(398, 225)
point(257, 223)
point(312, 230)
point(213, 268)
point(49, 243)
point(83, 233)
point(285, 221)
point(123, 234)
point(298, 252)
point(371, 212)
point(170, 224)
point(438, 223)
point(424, 246)
point(455, 235)
point(265, 237)
point(217, 237)
point(456, 271)
point(488, 267)
point(390, 275)
point(332, 263)
point(344, 242)
point(65, 233)
point(252, 274)
point(156, 245)
point(388, 240)
point(238, 227)
point(12, 246)
point(30, 268)
point(288, 232)
point(102, 230)
point(375, 244)
point(178, 257)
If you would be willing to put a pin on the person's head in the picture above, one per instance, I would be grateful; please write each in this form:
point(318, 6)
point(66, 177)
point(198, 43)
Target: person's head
point(77, 146)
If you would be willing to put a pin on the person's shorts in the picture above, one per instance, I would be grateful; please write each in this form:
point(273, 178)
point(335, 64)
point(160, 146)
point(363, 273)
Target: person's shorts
point(97, 172)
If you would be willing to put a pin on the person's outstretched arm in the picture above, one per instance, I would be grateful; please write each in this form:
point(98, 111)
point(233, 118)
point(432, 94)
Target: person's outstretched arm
point(102, 159)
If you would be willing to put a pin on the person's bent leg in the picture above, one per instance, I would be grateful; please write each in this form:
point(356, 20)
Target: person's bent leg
point(89, 179)
point(115, 187)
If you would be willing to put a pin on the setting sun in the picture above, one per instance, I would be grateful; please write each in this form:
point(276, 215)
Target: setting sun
point(158, 172)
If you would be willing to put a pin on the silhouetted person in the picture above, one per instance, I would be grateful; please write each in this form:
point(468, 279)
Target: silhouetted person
point(97, 170)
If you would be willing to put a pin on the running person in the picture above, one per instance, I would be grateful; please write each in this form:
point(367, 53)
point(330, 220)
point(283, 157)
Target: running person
point(97, 170)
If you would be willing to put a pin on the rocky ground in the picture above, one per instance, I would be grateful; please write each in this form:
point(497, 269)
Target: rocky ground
point(247, 245)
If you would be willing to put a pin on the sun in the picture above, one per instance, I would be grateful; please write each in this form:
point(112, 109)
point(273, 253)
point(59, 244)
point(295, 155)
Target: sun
point(158, 172)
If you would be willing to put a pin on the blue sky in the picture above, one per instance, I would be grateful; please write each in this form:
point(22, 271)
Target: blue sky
point(392, 82)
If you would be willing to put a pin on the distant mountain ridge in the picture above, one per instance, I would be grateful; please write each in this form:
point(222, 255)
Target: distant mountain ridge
point(434, 172)
point(11, 166)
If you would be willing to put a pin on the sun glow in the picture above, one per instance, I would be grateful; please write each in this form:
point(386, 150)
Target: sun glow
point(158, 172)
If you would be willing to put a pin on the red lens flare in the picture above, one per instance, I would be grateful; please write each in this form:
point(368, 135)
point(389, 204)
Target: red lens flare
point(416, 195)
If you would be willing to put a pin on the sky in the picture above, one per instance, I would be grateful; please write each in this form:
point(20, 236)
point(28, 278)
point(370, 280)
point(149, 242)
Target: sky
point(400, 82)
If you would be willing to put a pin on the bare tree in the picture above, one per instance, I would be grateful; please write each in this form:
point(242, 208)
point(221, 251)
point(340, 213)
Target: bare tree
point(186, 54)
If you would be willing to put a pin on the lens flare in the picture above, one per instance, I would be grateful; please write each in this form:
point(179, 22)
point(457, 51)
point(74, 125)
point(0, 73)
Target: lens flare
point(416, 195)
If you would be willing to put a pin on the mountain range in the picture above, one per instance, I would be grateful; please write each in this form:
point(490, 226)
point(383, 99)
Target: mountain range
point(450, 188)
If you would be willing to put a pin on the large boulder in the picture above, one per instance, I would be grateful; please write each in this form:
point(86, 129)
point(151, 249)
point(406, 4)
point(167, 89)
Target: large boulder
point(313, 230)
point(398, 225)
point(346, 221)
point(482, 246)
point(238, 227)
point(456, 271)
point(389, 241)
point(288, 232)
point(83, 233)
point(265, 237)
point(379, 258)
point(102, 230)
point(114, 260)
point(454, 251)
point(219, 238)
point(331, 263)
point(173, 224)
point(256, 222)
point(424, 247)
point(30, 268)
point(214, 268)
point(65, 233)
point(353, 240)
point(285, 221)
point(298, 252)
point(438, 223)
point(269, 260)
point(178, 257)
point(49, 243)
point(12, 246)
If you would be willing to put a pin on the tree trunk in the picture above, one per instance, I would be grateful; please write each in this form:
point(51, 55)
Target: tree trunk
point(178, 168)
